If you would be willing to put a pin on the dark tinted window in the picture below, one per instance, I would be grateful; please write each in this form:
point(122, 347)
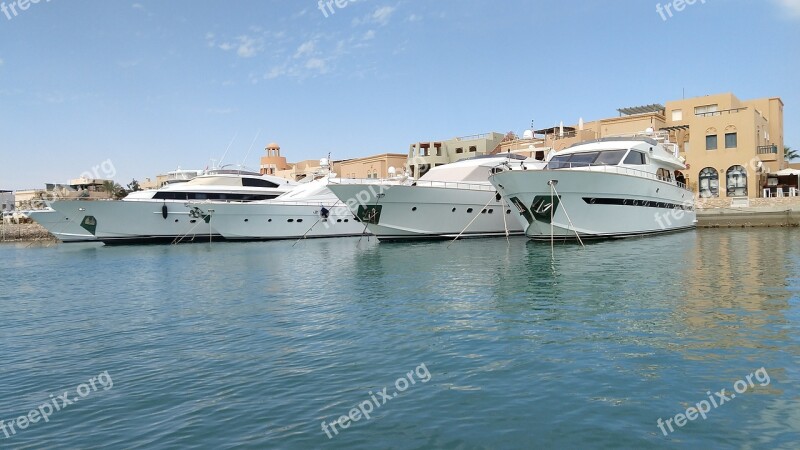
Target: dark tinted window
point(165, 195)
point(635, 158)
point(583, 159)
point(256, 182)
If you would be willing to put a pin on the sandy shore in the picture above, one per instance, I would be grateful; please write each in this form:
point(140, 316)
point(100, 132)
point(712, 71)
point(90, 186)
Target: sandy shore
point(25, 232)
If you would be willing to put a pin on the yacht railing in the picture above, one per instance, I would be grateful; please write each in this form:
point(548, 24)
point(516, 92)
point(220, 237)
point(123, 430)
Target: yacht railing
point(471, 186)
point(623, 170)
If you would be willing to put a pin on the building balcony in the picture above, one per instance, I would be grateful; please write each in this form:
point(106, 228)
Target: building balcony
point(768, 152)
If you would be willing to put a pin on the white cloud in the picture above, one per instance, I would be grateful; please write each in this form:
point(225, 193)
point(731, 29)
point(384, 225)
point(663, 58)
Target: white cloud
point(414, 18)
point(307, 48)
point(248, 47)
point(1, 61)
point(129, 63)
point(245, 46)
point(369, 35)
point(791, 6)
point(317, 64)
point(381, 16)
point(137, 6)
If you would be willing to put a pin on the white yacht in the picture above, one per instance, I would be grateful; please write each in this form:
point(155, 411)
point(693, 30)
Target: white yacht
point(608, 188)
point(310, 210)
point(452, 200)
point(153, 216)
point(67, 231)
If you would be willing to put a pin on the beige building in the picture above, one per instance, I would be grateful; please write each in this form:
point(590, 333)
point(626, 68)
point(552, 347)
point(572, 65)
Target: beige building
point(376, 166)
point(422, 156)
point(730, 145)
point(83, 188)
point(273, 162)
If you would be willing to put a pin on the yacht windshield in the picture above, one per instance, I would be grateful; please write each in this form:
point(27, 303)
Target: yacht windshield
point(610, 157)
point(585, 159)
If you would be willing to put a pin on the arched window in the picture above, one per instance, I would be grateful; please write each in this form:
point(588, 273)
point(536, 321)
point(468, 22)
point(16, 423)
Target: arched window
point(736, 178)
point(709, 182)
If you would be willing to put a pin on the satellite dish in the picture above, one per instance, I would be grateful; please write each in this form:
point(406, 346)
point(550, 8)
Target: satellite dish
point(392, 171)
point(324, 162)
point(528, 134)
point(649, 130)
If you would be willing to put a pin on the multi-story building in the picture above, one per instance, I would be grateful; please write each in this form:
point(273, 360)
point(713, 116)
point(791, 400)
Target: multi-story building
point(730, 146)
point(85, 188)
point(422, 156)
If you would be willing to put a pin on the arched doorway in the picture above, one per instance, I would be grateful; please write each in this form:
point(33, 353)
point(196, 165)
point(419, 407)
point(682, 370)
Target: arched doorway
point(709, 183)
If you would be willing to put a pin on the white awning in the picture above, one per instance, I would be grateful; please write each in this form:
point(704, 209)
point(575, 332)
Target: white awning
point(787, 172)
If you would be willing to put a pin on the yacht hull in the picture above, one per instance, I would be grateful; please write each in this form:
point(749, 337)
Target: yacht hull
point(60, 226)
point(137, 222)
point(403, 212)
point(594, 205)
point(273, 221)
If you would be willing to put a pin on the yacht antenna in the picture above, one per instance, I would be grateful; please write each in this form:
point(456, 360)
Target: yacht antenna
point(229, 147)
point(251, 147)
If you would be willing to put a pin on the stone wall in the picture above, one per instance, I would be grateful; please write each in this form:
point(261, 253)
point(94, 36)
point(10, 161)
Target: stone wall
point(784, 202)
point(24, 232)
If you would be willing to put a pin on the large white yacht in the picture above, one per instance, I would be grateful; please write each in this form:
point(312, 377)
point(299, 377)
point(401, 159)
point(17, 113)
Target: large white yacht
point(452, 200)
point(310, 210)
point(67, 231)
point(153, 216)
point(608, 188)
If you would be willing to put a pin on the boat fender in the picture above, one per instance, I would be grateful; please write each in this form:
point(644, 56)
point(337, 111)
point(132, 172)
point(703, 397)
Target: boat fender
point(164, 211)
point(324, 213)
point(497, 196)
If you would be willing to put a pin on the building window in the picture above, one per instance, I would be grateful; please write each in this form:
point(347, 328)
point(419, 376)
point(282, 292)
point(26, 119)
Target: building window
point(709, 182)
point(459, 150)
point(706, 109)
point(677, 115)
point(711, 142)
point(472, 148)
point(736, 178)
point(730, 140)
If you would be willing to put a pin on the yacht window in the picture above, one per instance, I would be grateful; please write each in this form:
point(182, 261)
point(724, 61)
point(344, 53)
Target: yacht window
point(636, 158)
point(559, 162)
point(255, 182)
point(610, 157)
point(583, 159)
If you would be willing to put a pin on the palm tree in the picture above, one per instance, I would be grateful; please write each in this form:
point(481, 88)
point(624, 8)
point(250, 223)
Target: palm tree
point(110, 187)
point(789, 154)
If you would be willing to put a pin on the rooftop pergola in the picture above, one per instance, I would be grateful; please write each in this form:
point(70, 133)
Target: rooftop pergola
point(645, 109)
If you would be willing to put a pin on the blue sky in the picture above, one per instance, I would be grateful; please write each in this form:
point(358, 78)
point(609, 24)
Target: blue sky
point(153, 85)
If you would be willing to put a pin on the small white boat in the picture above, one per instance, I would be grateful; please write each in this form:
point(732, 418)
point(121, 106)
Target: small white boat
point(608, 188)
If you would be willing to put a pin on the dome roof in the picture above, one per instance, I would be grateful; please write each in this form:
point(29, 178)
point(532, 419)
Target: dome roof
point(273, 145)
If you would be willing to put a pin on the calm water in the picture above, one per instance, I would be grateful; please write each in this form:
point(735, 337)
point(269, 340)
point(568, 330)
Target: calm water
point(254, 345)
